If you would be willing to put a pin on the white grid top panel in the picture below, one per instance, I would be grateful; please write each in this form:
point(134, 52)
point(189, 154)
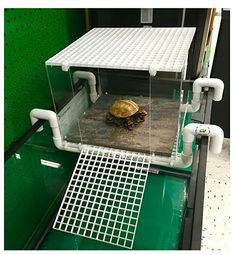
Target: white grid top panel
point(104, 196)
point(150, 49)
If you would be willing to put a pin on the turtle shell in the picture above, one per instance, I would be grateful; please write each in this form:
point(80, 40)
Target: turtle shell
point(123, 108)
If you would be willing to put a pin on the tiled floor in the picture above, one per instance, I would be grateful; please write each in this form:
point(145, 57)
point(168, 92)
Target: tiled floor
point(216, 218)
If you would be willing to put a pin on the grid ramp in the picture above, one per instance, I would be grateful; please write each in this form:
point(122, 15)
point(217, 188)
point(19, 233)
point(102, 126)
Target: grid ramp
point(151, 49)
point(104, 196)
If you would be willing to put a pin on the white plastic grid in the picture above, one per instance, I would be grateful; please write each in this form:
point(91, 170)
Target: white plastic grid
point(104, 196)
point(151, 49)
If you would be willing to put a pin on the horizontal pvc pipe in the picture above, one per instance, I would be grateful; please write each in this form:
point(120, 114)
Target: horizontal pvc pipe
point(90, 77)
point(51, 116)
point(68, 146)
point(181, 161)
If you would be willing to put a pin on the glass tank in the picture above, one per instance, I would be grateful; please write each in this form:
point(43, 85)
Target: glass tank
point(122, 88)
point(118, 88)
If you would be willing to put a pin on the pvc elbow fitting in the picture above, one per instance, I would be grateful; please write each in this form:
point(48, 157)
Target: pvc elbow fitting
point(215, 83)
point(215, 133)
point(51, 116)
point(90, 77)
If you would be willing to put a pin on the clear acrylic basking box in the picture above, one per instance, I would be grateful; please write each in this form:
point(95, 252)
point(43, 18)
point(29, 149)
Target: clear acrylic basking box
point(145, 65)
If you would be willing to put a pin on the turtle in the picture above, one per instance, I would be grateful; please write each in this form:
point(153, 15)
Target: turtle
point(125, 113)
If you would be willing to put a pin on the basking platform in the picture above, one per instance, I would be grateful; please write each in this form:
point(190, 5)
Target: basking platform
point(156, 134)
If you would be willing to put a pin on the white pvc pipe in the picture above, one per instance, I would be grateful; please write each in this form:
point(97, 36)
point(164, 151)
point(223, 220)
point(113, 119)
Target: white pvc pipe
point(90, 77)
point(185, 159)
point(215, 133)
point(198, 84)
point(215, 83)
point(182, 161)
point(194, 106)
point(37, 114)
point(51, 116)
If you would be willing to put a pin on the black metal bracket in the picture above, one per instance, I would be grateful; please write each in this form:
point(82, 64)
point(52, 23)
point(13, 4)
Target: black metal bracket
point(192, 227)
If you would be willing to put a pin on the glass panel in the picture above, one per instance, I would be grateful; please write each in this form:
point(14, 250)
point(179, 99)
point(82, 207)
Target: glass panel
point(70, 100)
point(84, 102)
point(165, 94)
point(35, 179)
point(60, 86)
point(184, 116)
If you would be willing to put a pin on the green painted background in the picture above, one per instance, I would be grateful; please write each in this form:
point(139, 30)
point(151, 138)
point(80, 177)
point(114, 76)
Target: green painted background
point(31, 36)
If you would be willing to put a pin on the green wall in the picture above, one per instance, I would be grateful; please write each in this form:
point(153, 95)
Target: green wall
point(31, 36)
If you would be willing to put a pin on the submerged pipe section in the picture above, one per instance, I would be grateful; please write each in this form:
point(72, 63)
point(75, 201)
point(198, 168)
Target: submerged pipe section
point(198, 84)
point(90, 77)
point(183, 160)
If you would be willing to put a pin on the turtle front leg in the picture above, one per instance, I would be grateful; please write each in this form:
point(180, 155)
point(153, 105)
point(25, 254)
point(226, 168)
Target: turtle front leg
point(109, 117)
